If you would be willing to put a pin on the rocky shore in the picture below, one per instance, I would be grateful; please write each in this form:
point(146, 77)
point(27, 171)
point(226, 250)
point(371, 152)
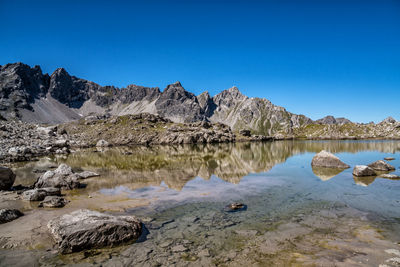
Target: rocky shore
point(20, 141)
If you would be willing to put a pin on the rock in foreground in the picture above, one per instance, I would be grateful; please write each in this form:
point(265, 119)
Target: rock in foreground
point(62, 177)
point(86, 229)
point(7, 178)
point(8, 215)
point(362, 170)
point(381, 165)
point(328, 160)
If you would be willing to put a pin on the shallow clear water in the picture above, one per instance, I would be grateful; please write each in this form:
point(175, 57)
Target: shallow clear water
point(181, 192)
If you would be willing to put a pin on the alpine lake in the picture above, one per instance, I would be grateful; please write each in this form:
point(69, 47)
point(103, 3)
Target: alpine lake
point(292, 214)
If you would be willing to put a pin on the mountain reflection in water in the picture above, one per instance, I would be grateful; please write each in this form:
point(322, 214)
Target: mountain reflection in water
point(138, 167)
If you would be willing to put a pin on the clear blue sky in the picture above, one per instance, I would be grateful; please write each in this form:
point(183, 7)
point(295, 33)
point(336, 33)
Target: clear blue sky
point(313, 57)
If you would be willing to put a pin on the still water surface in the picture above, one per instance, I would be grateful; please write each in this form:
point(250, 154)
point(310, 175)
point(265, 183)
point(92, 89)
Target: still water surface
point(293, 212)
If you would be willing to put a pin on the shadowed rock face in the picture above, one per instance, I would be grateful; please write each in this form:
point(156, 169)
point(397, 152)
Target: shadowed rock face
point(179, 105)
point(7, 178)
point(8, 215)
point(20, 85)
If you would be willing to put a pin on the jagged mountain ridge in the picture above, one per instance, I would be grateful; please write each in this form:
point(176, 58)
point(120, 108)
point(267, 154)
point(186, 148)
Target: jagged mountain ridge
point(29, 95)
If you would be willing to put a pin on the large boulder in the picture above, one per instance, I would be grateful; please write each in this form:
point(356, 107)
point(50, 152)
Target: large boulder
point(328, 160)
point(381, 165)
point(62, 177)
point(7, 178)
point(38, 194)
point(86, 229)
point(363, 170)
point(8, 215)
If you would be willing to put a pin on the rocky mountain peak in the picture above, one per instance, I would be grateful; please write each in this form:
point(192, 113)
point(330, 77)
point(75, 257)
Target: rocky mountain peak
point(20, 85)
point(332, 120)
point(206, 103)
point(178, 104)
point(137, 93)
point(174, 86)
point(389, 120)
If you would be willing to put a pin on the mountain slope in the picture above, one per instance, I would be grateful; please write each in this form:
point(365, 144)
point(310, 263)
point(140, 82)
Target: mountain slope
point(29, 95)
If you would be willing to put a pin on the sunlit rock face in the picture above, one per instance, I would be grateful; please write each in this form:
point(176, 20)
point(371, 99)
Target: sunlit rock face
point(328, 160)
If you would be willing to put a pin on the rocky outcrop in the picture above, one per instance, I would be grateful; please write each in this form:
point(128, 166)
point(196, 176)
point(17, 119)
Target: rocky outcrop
point(86, 229)
point(21, 141)
point(62, 177)
point(259, 115)
point(20, 85)
point(179, 105)
point(328, 160)
point(147, 129)
point(362, 170)
point(8, 215)
point(7, 178)
point(381, 165)
point(38, 194)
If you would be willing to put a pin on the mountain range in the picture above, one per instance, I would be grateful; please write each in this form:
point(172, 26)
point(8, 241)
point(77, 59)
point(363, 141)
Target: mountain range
point(31, 96)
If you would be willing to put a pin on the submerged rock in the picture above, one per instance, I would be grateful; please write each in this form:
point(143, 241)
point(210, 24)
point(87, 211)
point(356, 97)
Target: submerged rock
point(235, 207)
point(363, 170)
point(62, 177)
point(381, 165)
point(7, 178)
point(328, 160)
point(53, 202)
point(39, 194)
point(86, 229)
point(8, 215)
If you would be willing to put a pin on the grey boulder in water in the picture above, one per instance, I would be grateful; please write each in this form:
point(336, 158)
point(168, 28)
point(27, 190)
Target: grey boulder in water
point(381, 165)
point(363, 170)
point(328, 160)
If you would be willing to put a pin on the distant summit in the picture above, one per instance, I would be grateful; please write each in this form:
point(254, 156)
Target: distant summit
point(332, 120)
